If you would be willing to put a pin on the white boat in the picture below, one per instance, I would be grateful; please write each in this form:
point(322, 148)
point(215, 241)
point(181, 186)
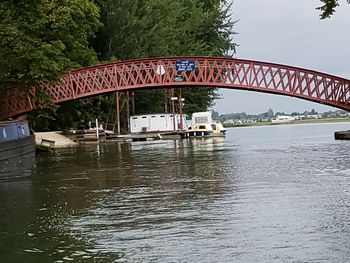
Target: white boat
point(202, 125)
point(282, 119)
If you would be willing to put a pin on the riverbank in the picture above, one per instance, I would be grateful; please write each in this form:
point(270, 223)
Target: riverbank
point(325, 120)
point(56, 139)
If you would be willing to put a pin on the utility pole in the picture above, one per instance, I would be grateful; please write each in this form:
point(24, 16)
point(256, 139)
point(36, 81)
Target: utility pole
point(173, 99)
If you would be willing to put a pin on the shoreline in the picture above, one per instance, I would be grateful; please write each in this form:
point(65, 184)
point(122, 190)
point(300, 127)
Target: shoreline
point(296, 122)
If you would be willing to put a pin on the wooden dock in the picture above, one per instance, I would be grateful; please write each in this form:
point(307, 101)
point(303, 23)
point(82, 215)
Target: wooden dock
point(135, 137)
point(139, 137)
point(90, 136)
point(86, 136)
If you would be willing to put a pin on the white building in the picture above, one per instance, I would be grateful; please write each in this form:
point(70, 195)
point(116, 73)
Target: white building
point(156, 123)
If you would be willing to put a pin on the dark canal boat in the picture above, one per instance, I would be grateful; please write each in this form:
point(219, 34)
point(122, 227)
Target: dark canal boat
point(16, 139)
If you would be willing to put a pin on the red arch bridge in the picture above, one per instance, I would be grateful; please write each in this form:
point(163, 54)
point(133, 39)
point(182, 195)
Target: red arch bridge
point(220, 72)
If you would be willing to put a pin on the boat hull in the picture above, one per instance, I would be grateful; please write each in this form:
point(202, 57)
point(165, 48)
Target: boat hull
point(282, 120)
point(197, 134)
point(11, 149)
point(202, 134)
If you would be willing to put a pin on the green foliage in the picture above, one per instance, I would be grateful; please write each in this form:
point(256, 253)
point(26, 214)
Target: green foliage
point(71, 113)
point(141, 28)
point(199, 99)
point(149, 101)
point(269, 113)
point(41, 39)
point(41, 118)
point(156, 28)
point(328, 8)
point(233, 116)
point(244, 116)
point(280, 113)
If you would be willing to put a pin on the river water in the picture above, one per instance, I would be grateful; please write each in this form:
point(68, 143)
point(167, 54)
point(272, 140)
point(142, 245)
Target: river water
point(262, 194)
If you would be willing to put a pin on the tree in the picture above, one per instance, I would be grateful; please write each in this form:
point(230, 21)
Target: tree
point(154, 28)
point(313, 112)
point(270, 113)
point(41, 39)
point(328, 8)
point(280, 114)
point(215, 115)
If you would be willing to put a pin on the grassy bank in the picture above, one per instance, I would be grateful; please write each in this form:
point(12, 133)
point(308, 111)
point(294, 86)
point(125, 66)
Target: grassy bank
point(325, 120)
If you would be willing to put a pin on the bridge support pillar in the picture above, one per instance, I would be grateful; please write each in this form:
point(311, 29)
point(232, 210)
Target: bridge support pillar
point(128, 111)
point(117, 111)
point(173, 99)
point(181, 100)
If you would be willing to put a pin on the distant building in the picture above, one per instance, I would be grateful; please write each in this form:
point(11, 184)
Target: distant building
point(312, 116)
point(264, 119)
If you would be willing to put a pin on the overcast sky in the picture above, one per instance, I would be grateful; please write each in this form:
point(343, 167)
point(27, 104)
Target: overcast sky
point(287, 32)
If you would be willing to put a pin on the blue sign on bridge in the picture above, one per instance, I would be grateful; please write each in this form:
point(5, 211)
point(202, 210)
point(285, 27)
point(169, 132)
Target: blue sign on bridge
point(185, 65)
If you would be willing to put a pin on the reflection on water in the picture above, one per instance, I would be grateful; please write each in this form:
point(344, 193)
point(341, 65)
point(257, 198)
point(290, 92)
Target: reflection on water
point(17, 167)
point(263, 194)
